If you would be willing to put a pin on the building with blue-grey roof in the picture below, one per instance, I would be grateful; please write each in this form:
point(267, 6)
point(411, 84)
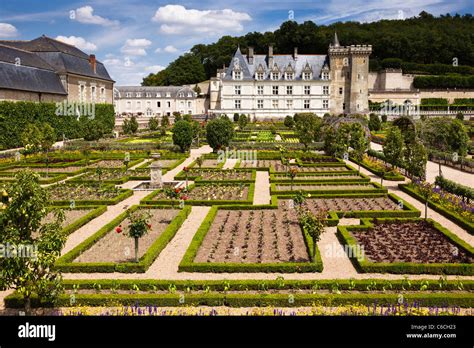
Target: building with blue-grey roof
point(276, 85)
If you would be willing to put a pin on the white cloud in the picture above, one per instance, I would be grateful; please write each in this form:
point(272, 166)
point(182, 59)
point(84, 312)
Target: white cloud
point(176, 19)
point(167, 49)
point(135, 47)
point(154, 68)
point(77, 41)
point(7, 30)
point(86, 15)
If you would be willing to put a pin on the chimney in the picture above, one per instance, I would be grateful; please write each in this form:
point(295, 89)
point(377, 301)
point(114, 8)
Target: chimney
point(250, 55)
point(93, 62)
point(270, 56)
point(295, 53)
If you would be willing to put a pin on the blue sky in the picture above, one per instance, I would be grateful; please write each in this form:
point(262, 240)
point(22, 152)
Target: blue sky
point(136, 37)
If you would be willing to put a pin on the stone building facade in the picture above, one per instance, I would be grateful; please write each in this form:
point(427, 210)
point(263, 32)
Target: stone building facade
point(45, 69)
point(275, 85)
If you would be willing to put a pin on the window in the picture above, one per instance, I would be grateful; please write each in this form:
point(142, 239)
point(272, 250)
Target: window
point(190, 95)
point(148, 104)
point(237, 75)
point(190, 112)
point(82, 92)
point(129, 105)
point(158, 95)
point(325, 103)
point(275, 90)
point(358, 76)
point(275, 76)
point(181, 94)
point(190, 104)
point(149, 112)
point(158, 104)
point(237, 103)
point(325, 76)
point(345, 62)
point(260, 90)
point(168, 94)
point(343, 106)
point(306, 103)
point(237, 90)
point(102, 93)
point(138, 95)
point(128, 95)
point(275, 103)
point(307, 90)
point(148, 95)
point(340, 90)
point(289, 104)
point(307, 76)
point(289, 90)
point(139, 105)
point(168, 104)
point(259, 76)
point(93, 93)
point(260, 104)
point(325, 90)
point(289, 76)
point(181, 104)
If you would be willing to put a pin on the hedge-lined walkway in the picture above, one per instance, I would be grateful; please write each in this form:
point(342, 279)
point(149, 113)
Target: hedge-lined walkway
point(432, 171)
point(195, 153)
point(262, 188)
point(229, 164)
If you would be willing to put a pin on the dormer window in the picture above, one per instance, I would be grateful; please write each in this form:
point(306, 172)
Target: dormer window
point(138, 95)
point(325, 75)
point(181, 94)
point(190, 95)
point(275, 76)
point(158, 95)
point(128, 95)
point(289, 76)
point(148, 95)
point(259, 76)
point(237, 75)
point(306, 76)
point(168, 94)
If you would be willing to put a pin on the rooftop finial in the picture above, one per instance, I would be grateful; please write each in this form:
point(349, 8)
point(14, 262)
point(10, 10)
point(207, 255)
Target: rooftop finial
point(335, 42)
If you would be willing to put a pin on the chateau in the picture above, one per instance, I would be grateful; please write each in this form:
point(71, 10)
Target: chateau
point(277, 85)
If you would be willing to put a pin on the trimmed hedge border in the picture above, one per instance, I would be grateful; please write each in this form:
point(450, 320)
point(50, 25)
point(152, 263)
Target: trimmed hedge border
point(52, 178)
point(365, 266)
point(284, 178)
point(188, 265)
point(464, 300)
point(458, 220)
point(125, 193)
point(198, 178)
point(179, 160)
point(386, 176)
point(377, 188)
point(148, 200)
point(66, 262)
point(97, 211)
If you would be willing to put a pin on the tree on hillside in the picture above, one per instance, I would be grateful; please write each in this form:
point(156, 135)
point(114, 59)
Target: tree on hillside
point(183, 135)
point(219, 132)
point(22, 222)
point(307, 128)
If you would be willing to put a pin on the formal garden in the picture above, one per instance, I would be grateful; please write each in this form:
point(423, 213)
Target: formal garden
point(236, 213)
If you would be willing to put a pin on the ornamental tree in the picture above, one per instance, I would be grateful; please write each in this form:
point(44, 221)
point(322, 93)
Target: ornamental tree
point(153, 124)
point(289, 122)
point(393, 147)
point(219, 132)
point(130, 126)
point(426, 191)
point(243, 121)
point(358, 142)
point(30, 269)
point(415, 158)
point(307, 127)
point(31, 139)
point(374, 122)
point(342, 140)
point(183, 135)
point(139, 226)
point(314, 225)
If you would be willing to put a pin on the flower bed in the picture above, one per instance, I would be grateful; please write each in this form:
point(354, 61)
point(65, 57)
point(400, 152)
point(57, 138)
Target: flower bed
point(358, 205)
point(87, 194)
point(70, 171)
point(320, 178)
point(251, 240)
point(316, 188)
point(77, 217)
point(109, 251)
point(279, 167)
point(377, 167)
point(407, 246)
point(43, 179)
point(206, 194)
point(448, 205)
point(223, 175)
point(112, 163)
point(208, 163)
point(165, 163)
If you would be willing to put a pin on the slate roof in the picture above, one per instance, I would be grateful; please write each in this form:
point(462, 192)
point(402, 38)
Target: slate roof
point(62, 57)
point(282, 61)
point(23, 70)
point(120, 91)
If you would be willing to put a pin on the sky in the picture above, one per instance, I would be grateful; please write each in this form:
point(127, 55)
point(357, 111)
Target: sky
point(136, 37)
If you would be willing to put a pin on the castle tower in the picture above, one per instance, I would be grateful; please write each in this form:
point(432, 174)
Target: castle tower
point(349, 77)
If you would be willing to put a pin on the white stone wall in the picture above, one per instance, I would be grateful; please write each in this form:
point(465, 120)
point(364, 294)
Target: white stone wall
point(166, 106)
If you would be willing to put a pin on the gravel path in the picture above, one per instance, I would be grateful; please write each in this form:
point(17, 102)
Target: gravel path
point(229, 164)
point(262, 188)
point(432, 171)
